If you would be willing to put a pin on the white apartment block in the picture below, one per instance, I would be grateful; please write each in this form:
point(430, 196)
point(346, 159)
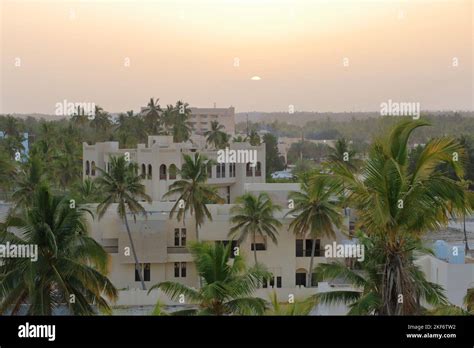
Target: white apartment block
point(201, 119)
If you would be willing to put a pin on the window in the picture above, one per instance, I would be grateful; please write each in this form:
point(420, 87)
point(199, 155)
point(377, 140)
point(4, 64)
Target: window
point(317, 250)
point(145, 271)
point(93, 168)
point(258, 169)
point(143, 171)
point(218, 170)
point(180, 269)
point(180, 237)
point(228, 194)
point(299, 248)
point(278, 282)
point(248, 169)
point(173, 172)
point(223, 170)
point(150, 171)
point(232, 170)
point(303, 248)
point(260, 246)
point(300, 278)
point(88, 165)
point(163, 172)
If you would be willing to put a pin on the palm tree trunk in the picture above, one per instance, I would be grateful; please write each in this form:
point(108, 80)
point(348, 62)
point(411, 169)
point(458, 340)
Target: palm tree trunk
point(254, 249)
point(465, 234)
point(137, 264)
point(310, 273)
point(197, 230)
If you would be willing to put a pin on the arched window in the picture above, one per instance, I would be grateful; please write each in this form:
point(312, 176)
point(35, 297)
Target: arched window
point(93, 168)
point(143, 170)
point(248, 169)
point(88, 168)
point(150, 171)
point(258, 169)
point(163, 172)
point(173, 172)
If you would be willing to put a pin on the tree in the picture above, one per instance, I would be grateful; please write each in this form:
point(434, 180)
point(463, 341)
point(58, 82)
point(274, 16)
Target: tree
point(227, 286)
point(315, 212)
point(297, 308)
point(70, 265)
point(152, 117)
point(216, 136)
point(366, 279)
point(101, 121)
point(273, 161)
point(344, 154)
point(87, 191)
point(399, 204)
point(176, 120)
point(193, 192)
point(254, 138)
point(254, 216)
point(123, 186)
point(7, 171)
point(29, 178)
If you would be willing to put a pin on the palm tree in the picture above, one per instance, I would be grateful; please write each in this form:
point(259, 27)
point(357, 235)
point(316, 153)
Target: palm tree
point(316, 212)
point(193, 192)
point(123, 186)
point(70, 265)
point(216, 136)
point(239, 139)
point(87, 191)
point(28, 179)
point(253, 216)
point(181, 126)
point(101, 121)
point(366, 279)
point(344, 154)
point(7, 171)
point(297, 308)
point(152, 117)
point(227, 286)
point(254, 138)
point(397, 203)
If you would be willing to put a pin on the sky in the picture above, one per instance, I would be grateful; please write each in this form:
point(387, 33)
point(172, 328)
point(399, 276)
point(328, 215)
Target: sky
point(256, 55)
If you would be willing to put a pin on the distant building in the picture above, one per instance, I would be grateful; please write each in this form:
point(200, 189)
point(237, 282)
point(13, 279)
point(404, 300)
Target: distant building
point(201, 119)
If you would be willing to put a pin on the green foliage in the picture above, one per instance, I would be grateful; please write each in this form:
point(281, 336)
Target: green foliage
point(227, 284)
point(254, 216)
point(70, 264)
point(273, 161)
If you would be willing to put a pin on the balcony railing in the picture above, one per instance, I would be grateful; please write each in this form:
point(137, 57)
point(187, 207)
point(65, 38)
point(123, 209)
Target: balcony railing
point(178, 250)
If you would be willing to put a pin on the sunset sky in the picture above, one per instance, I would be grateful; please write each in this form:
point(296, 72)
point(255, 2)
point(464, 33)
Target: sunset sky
point(76, 50)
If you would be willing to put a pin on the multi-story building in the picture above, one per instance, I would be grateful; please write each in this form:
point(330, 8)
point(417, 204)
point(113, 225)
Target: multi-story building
point(161, 241)
point(201, 119)
point(159, 160)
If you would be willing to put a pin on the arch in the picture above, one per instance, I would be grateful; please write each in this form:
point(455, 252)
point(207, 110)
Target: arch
point(248, 169)
point(173, 172)
point(163, 172)
point(143, 170)
point(150, 171)
point(93, 168)
point(258, 169)
point(88, 167)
